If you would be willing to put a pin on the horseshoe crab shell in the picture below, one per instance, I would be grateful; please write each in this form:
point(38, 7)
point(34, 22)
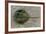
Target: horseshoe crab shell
point(21, 16)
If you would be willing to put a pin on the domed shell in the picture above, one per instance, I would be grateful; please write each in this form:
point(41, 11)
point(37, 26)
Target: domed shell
point(21, 16)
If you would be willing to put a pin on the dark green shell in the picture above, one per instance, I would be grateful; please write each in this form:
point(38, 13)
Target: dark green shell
point(21, 16)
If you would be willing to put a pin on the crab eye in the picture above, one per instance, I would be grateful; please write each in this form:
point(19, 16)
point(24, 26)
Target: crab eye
point(19, 10)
